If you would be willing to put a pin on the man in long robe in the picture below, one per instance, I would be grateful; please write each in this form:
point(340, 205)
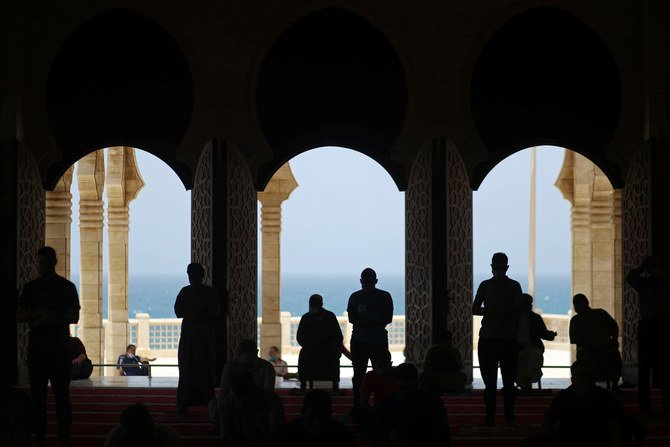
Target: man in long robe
point(199, 306)
point(320, 338)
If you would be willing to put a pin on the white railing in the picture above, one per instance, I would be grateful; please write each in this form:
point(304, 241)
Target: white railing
point(159, 337)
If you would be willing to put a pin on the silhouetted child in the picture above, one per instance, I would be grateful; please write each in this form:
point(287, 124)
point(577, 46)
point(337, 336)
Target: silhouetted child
point(316, 426)
point(443, 367)
point(409, 416)
point(378, 383)
point(250, 416)
point(137, 429)
point(532, 331)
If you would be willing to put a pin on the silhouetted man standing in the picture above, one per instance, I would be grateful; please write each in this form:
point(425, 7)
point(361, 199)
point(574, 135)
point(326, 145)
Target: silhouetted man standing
point(198, 305)
point(370, 310)
point(49, 304)
point(653, 349)
point(498, 300)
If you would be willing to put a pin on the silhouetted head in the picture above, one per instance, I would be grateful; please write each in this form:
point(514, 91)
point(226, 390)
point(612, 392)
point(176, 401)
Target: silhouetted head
point(406, 375)
point(499, 264)
point(247, 352)
point(581, 373)
point(527, 302)
point(46, 260)
point(138, 423)
point(368, 278)
point(317, 405)
point(580, 303)
point(243, 383)
point(315, 303)
point(445, 337)
point(196, 273)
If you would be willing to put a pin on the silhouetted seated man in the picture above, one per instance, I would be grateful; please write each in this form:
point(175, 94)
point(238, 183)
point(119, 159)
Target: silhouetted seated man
point(137, 428)
point(443, 368)
point(250, 416)
point(532, 331)
point(82, 367)
point(596, 333)
point(585, 414)
point(129, 359)
point(320, 338)
point(316, 426)
point(246, 360)
point(410, 416)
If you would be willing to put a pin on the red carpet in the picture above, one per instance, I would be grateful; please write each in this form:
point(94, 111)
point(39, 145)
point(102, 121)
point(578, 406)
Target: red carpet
point(96, 410)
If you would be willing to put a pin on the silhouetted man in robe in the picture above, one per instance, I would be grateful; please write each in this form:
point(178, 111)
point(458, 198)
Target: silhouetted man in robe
point(320, 338)
point(199, 306)
point(49, 304)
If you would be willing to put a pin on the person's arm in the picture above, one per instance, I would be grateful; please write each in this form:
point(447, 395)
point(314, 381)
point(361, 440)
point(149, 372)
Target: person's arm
point(269, 376)
point(574, 331)
point(478, 303)
point(545, 333)
point(300, 335)
point(352, 312)
point(180, 305)
point(388, 310)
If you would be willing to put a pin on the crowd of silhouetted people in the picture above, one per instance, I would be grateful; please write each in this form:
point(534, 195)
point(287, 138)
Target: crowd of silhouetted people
point(391, 405)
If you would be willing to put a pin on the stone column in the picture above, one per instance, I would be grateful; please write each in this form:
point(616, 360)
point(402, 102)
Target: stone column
point(58, 221)
point(596, 233)
point(277, 190)
point(91, 180)
point(123, 184)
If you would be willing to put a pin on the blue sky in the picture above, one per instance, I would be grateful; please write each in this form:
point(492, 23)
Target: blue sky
point(347, 214)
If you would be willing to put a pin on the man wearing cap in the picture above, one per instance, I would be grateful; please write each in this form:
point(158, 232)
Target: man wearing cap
point(370, 310)
point(199, 306)
point(320, 338)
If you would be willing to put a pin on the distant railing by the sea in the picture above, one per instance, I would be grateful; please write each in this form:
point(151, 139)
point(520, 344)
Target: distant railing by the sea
point(159, 337)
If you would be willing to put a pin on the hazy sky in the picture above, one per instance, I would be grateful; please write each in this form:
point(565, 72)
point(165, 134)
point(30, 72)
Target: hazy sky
point(347, 214)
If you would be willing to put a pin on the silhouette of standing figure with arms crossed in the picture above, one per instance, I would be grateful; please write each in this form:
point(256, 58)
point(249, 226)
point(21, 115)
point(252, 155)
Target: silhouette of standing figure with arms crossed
point(49, 304)
point(199, 306)
point(498, 300)
point(370, 310)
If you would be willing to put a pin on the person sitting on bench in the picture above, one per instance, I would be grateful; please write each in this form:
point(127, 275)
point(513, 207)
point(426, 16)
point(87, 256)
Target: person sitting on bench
point(130, 358)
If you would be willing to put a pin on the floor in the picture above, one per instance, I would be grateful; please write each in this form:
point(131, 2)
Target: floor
point(345, 383)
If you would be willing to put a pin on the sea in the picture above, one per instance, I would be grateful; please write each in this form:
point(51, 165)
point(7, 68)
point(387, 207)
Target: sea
point(155, 293)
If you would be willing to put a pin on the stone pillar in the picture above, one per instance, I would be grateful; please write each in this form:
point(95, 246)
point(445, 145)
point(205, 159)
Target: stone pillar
point(91, 180)
point(143, 338)
point(278, 189)
point(123, 184)
point(596, 233)
point(58, 221)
